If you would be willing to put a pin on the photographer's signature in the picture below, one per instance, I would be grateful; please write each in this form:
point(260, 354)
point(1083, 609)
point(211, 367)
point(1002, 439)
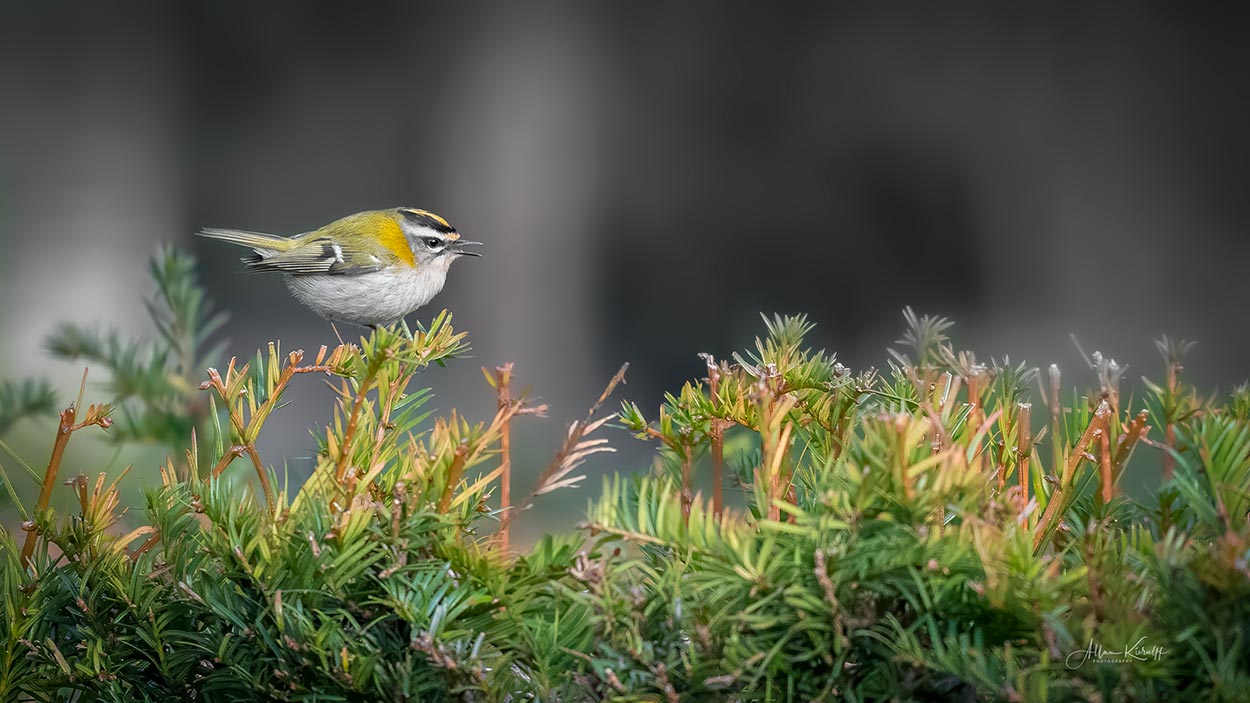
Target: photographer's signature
point(1139, 651)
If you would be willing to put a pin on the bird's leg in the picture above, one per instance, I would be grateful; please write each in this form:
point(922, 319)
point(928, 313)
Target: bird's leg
point(336, 333)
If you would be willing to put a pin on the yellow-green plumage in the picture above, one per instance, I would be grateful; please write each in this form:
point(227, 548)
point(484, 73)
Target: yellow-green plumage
point(371, 267)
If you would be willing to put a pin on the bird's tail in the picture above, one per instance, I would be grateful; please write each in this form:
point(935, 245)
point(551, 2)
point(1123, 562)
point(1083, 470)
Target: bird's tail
point(255, 240)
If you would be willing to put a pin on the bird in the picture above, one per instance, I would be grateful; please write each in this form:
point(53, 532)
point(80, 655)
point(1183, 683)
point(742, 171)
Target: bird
point(371, 268)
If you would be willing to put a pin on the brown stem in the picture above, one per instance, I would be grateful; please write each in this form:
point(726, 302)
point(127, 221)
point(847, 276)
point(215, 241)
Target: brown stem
point(1024, 448)
point(1169, 429)
point(976, 417)
point(261, 474)
point(718, 441)
point(1107, 489)
point(791, 491)
point(151, 542)
point(384, 423)
point(247, 431)
point(1056, 418)
point(658, 435)
point(718, 468)
point(236, 419)
point(453, 477)
point(831, 595)
point(1137, 429)
point(349, 433)
point(65, 428)
point(503, 387)
point(1097, 423)
point(773, 449)
point(234, 453)
point(1113, 390)
point(686, 496)
point(575, 448)
point(924, 390)
point(63, 432)
point(345, 449)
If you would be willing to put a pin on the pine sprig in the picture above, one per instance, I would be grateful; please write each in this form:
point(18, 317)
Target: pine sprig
point(21, 399)
point(154, 381)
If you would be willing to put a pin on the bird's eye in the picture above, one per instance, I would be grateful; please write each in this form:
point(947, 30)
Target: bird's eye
point(433, 242)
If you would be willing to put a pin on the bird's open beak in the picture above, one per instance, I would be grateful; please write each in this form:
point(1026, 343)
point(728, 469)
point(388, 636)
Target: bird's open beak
point(458, 247)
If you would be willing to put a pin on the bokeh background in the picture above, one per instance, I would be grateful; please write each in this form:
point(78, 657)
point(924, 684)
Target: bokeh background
point(647, 177)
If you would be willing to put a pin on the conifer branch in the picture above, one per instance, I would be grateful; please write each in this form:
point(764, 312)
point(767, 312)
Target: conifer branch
point(1058, 501)
point(68, 425)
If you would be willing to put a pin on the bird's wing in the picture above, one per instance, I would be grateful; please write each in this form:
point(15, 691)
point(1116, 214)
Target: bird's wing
point(313, 254)
point(326, 250)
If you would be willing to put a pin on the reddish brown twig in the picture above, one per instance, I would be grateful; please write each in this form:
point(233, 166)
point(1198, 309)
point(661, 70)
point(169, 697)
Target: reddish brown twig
point(976, 417)
point(717, 432)
point(231, 388)
point(1107, 487)
point(453, 477)
point(791, 491)
point(231, 454)
point(96, 415)
point(1169, 429)
point(575, 449)
point(1056, 418)
point(387, 401)
point(146, 546)
point(1024, 448)
point(345, 449)
point(1137, 429)
point(508, 407)
point(1058, 499)
point(503, 390)
point(924, 392)
point(687, 497)
point(225, 390)
point(684, 452)
point(63, 431)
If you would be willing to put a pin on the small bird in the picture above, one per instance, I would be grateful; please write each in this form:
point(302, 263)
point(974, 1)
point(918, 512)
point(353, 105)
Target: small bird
point(371, 268)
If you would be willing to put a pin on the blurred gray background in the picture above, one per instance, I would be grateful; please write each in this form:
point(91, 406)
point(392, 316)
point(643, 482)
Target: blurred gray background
point(647, 178)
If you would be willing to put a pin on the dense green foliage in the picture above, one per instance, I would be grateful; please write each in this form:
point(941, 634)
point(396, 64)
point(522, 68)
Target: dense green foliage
point(917, 534)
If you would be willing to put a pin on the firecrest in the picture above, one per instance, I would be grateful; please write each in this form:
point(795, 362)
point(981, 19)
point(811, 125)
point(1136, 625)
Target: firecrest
point(371, 268)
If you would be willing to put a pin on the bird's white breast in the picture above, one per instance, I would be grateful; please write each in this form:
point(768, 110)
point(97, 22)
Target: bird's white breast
point(376, 298)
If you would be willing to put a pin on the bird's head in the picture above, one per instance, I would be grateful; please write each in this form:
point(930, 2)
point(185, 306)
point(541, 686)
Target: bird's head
point(432, 239)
